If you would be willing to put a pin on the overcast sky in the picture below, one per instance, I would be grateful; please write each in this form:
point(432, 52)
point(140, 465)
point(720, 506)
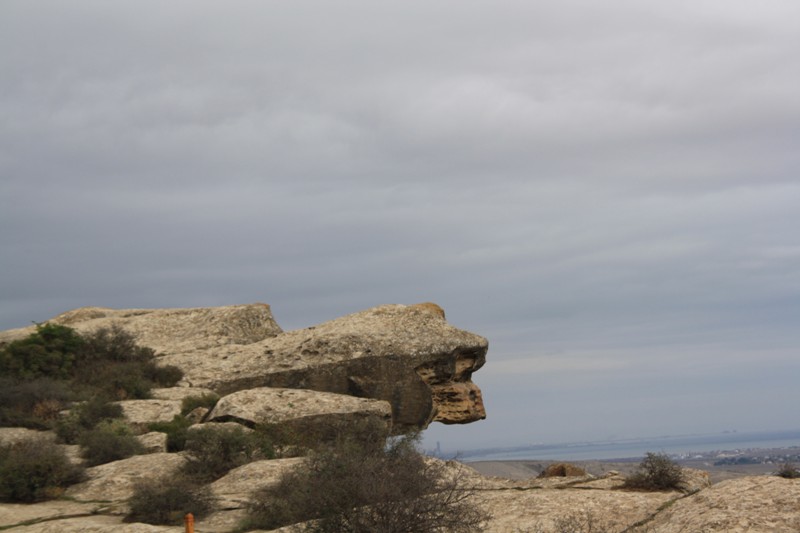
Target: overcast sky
point(607, 191)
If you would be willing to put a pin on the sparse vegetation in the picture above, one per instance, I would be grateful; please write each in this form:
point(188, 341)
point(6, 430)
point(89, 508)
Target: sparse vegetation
point(789, 471)
point(191, 403)
point(55, 366)
point(213, 452)
point(176, 429)
point(33, 470)
point(362, 485)
point(656, 472)
point(84, 417)
point(166, 501)
point(110, 440)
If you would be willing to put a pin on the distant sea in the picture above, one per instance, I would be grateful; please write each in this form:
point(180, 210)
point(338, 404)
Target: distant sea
point(636, 448)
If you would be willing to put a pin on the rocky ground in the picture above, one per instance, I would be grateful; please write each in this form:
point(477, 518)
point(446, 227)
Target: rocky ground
point(403, 366)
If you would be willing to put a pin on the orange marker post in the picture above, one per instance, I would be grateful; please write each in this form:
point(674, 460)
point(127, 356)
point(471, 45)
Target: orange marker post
point(188, 520)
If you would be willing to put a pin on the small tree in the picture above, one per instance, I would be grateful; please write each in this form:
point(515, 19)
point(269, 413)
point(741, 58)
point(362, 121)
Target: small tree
point(656, 472)
point(364, 486)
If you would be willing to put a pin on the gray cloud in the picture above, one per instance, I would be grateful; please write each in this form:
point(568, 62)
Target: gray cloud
point(606, 191)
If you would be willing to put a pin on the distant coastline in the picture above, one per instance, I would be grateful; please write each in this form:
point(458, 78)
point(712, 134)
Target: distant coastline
point(683, 445)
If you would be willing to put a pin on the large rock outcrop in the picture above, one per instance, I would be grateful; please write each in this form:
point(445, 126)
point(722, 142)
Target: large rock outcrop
point(407, 355)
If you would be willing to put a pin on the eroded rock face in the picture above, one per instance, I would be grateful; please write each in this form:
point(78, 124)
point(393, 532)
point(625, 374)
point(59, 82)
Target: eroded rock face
point(407, 355)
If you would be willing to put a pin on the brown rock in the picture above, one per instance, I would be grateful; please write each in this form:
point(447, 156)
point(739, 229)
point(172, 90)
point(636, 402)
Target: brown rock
point(563, 470)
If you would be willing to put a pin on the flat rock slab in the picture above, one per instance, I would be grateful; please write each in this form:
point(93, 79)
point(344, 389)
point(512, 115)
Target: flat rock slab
point(171, 330)
point(14, 435)
point(276, 406)
point(234, 489)
point(93, 524)
point(17, 513)
point(140, 413)
point(179, 393)
point(114, 482)
point(755, 504)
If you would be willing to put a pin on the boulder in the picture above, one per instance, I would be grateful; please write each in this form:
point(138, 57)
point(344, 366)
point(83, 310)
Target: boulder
point(302, 410)
point(153, 442)
point(113, 482)
point(140, 413)
point(563, 470)
point(407, 355)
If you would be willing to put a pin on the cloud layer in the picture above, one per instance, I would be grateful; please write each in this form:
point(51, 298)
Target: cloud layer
point(608, 192)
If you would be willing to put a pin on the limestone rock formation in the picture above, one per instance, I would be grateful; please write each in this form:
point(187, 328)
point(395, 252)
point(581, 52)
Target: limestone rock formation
point(302, 409)
point(407, 355)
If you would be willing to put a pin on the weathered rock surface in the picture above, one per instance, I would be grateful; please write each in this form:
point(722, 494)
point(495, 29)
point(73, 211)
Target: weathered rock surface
point(233, 490)
point(15, 513)
point(113, 482)
point(153, 442)
point(14, 435)
point(140, 413)
point(93, 524)
point(301, 408)
point(756, 504)
point(407, 355)
point(179, 393)
point(172, 329)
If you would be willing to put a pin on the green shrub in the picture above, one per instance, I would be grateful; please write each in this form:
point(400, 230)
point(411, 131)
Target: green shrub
point(789, 471)
point(86, 416)
point(359, 485)
point(34, 404)
point(177, 430)
point(112, 362)
point(212, 452)
point(167, 501)
point(191, 403)
point(33, 470)
point(656, 472)
point(112, 344)
point(54, 365)
point(48, 352)
point(109, 441)
point(163, 376)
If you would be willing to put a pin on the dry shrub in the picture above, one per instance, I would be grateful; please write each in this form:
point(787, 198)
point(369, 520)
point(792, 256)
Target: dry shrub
point(35, 469)
point(656, 472)
point(364, 486)
point(166, 501)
